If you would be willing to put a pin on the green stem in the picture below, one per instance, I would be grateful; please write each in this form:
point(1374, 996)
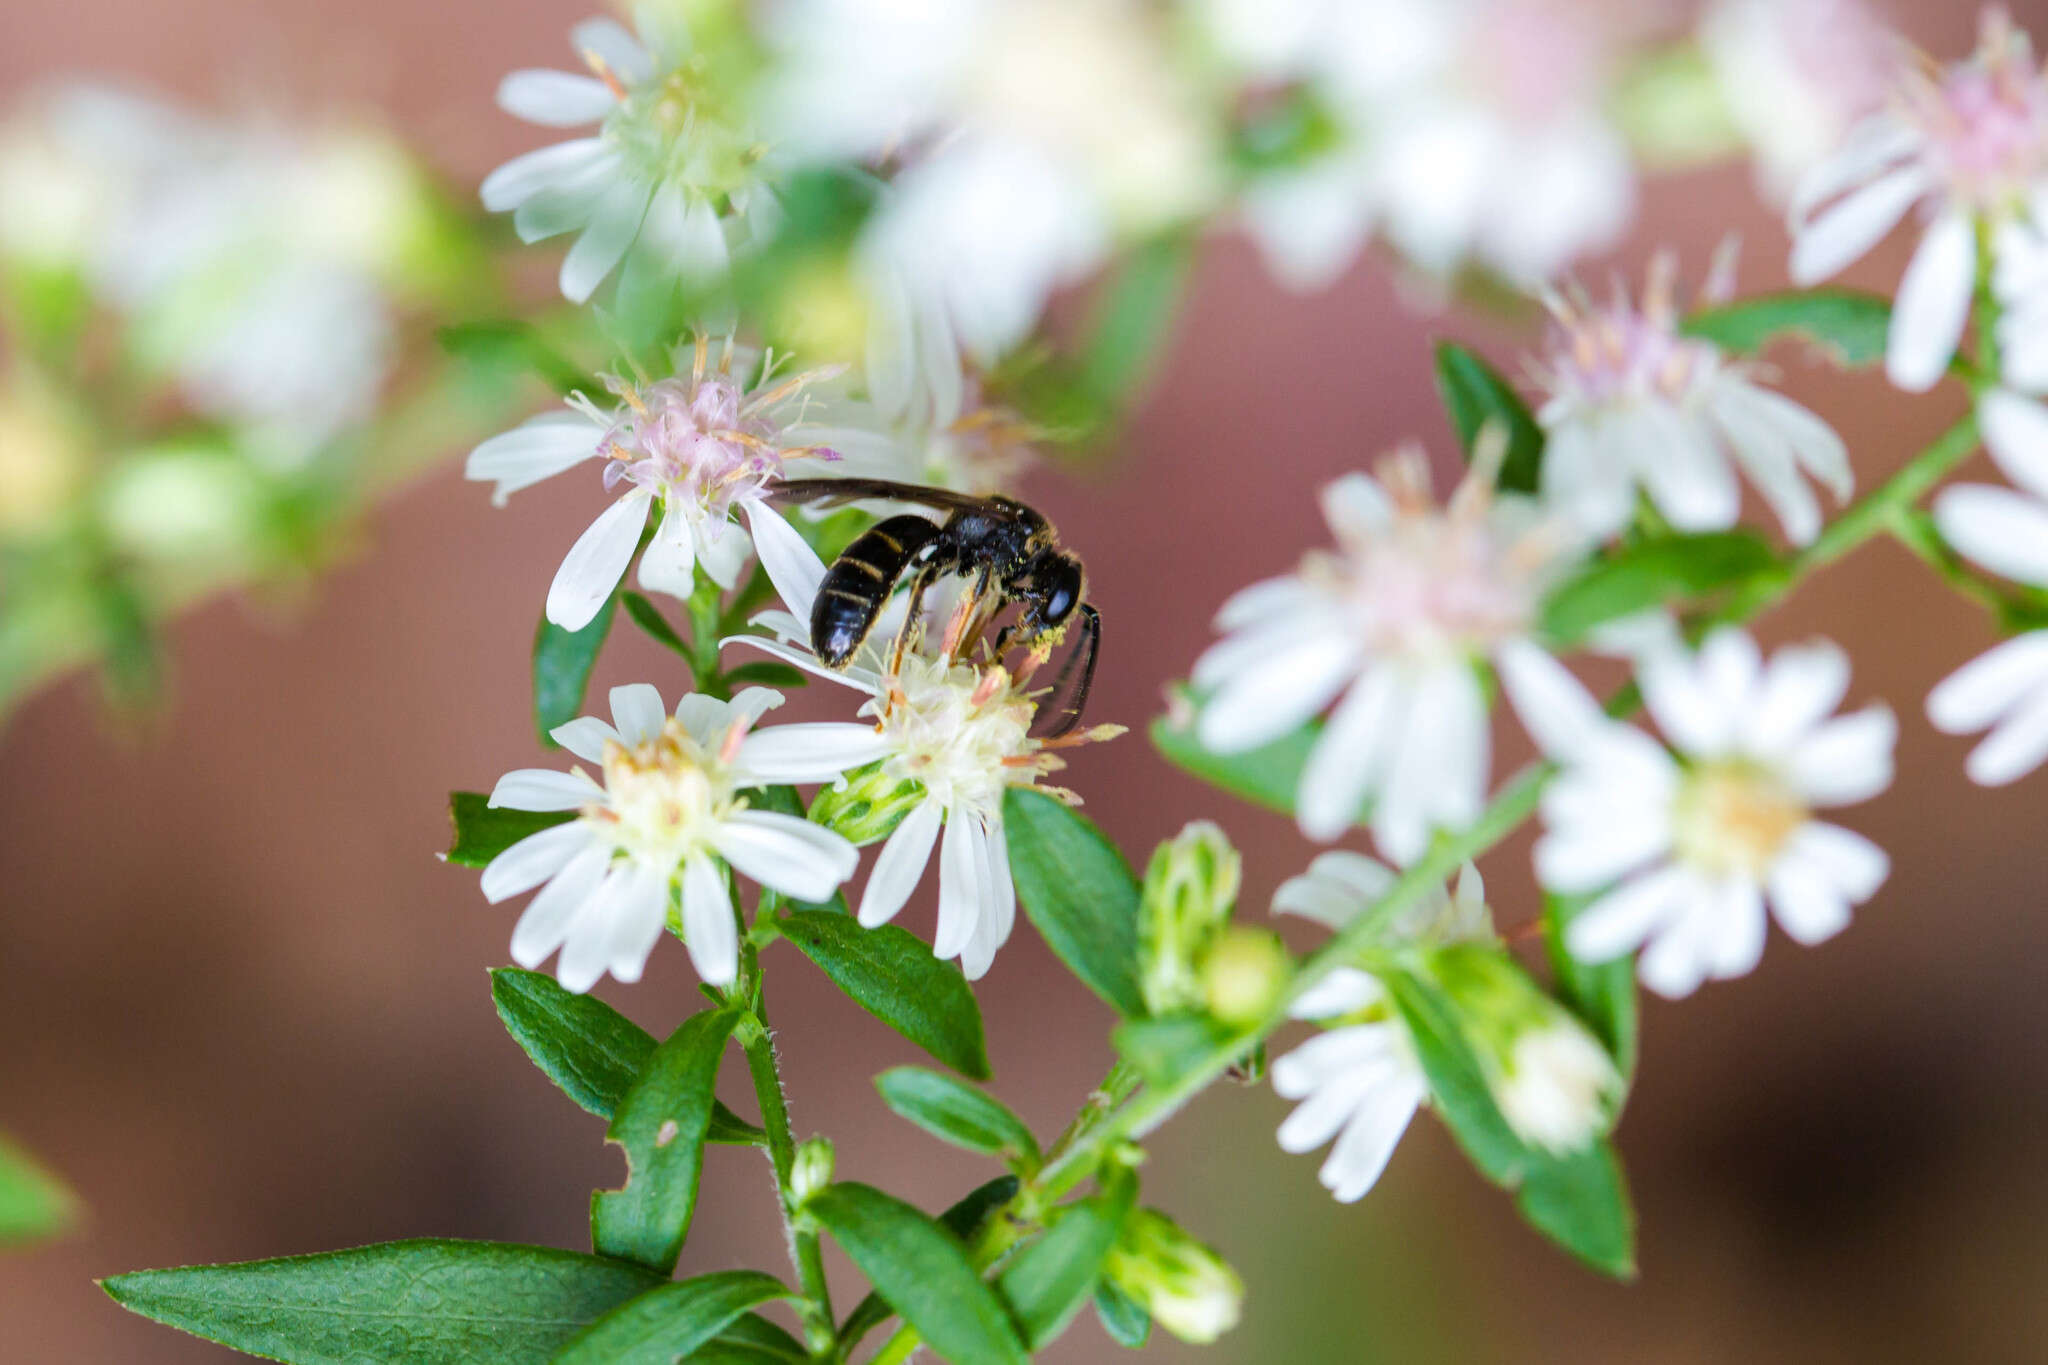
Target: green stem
point(705, 611)
point(755, 1040)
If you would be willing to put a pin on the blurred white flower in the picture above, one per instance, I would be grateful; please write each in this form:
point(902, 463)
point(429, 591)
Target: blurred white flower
point(1360, 1082)
point(701, 447)
point(1630, 402)
point(673, 167)
point(1470, 131)
point(666, 814)
point(1396, 622)
point(1797, 75)
point(1968, 147)
point(960, 730)
point(1686, 851)
point(1034, 134)
point(1557, 1087)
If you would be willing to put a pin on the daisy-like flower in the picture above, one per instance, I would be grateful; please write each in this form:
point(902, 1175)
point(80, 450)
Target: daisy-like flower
point(701, 447)
point(1967, 146)
point(1359, 1081)
point(673, 165)
point(1630, 402)
point(668, 811)
point(1797, 75)
point(1687, 850)
point(1396, 622)
point(960, 730)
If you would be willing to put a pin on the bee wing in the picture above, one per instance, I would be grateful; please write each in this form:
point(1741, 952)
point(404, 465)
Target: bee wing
point(839, 492)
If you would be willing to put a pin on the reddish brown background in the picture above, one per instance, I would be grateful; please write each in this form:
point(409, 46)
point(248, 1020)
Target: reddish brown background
point(243, 1008)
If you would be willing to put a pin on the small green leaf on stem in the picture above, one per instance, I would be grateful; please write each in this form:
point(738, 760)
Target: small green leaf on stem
point(1851, 326)
point(33, 1203)
point(1267, 776)
point(892, 974)
point(1602, 994)
point(1122, 1317)
point(648, 617)
point(562, 663)
point(1476, 397)
point(965, 1221)
point(668, 1323)
point(483, 831)
point(1581, 1202)
point(958, 1113)
point(1077, 888)
point(1653, 573)
point(1048, 1281)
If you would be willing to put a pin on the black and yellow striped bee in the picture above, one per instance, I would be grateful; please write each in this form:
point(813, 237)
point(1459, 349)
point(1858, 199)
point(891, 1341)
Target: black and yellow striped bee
point(1008, 552)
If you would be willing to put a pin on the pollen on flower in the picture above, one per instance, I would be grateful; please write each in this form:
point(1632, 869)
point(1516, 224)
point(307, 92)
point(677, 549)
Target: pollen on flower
point(1624, 352)
point(1985, 119)
point(664, 796)
point(1733, 817)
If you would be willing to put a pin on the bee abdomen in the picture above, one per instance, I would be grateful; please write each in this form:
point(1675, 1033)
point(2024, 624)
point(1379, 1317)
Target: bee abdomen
point(859, 582)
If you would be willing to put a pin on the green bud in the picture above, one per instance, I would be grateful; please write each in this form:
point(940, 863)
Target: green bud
point(812, 1169)
point(1244, 974)
point(867, 805)
point(1554, 1081)
point(1186, 1287)
point(1190, 887)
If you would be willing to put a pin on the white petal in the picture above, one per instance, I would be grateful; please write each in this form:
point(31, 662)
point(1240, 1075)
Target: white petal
point(568, 203)
point(859, 679)
point(2015, 748)
point(669, 563)
point(1309, 224)
point(2016, 433)
point(1685, 475)
point(791, 564)
point(1766, 456)
point(1337, 886)
point(1847, 760)
point(1356, 507)
point(708, 929)
point(1988, 686)
point(1330, 1056)
point(1815, 444)
point(1738, 930)
point(1361, 1154)
point(960, 873)
point(615, 46)
point(555, 99)
point(1807, 903)
point(637, 921)
point(585, 737)
point(815, 751)
point(587, 950)
point(1349, 754)
point(614, 223)
point(1677, 959)
point(1694, 704)
point(527, 454)
point(533, 860)
point(519, 179)
point(545, 923)
point(722, 551)
point(1852, 864)
point(1801, 685)
point(1582, 480)
point(544, 789)
point(596, 563)
point(638, 712)
point(1438, 776)
point(901, 865)
point(1343, 991)
point(1267, 701)
point(1853, 226)
point(803, 861)
point(1587, 859)
point(1933, 304)
point(698, 250)
point(1622, 919)
point(2006, 532)
point(1554, 707)
point(1868, 148)
point(1263, 601)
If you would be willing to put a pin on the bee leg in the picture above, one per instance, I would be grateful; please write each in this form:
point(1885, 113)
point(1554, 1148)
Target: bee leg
point(927, 574)
point(1083, 657)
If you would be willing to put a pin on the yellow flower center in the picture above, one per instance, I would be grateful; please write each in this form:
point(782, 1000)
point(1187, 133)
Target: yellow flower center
point(667, 795)
point(1734, 816)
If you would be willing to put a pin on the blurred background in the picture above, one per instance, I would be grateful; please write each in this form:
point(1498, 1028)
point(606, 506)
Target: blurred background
point(244, 1009)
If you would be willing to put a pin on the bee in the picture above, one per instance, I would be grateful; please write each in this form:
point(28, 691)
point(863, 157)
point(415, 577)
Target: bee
point(1009, 553)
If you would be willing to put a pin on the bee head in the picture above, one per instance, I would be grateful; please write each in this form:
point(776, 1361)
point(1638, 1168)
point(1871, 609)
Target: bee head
point(1052, 586)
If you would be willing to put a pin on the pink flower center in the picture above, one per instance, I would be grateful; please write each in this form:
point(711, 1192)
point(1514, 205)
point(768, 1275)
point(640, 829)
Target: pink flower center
point(1621, 354)
point(691, 440)
point(1987, 120)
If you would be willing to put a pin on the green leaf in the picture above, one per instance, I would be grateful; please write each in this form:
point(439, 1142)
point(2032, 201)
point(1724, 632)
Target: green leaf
point(562, 661)
point(589, 1049)
point(1457, 1087)
point(1475, 395)
point(1122, 1317)
point(648, 617)
point(483, 831)
point(1048, 1281)
point(662, 1123)
point(957, 1113)
point(1267, 776)
point(750, 1339)
point(1165, 1049)
point(1080, 893)
point(965, 1221)
point(422, 1302)
point(33, 1204)
point(511, 347)
point(671, 1321)
point(1581, 1202)
point(921, 1270)
point(1602, 994)
point(892, 974)
point(1652, 573)
point(1133, 315)
point(766, 675)
point(1851, 326)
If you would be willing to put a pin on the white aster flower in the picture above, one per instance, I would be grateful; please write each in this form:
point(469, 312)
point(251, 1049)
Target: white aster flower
point(1687, 850)
point(1035, 134)
point(1630, 402)
point(700, 447)
point(1968, 147)
point(1557, 1086)
point(667, 813)
point(1796, 76)
point(673, 166)
point(1359, 1081)
point(1396, 622)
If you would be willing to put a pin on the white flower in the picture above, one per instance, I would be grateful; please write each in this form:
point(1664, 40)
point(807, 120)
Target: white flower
point(1796, 76)
point(667, 812)
point(700, 447)
point(1967, 148)
point(1360, 1082)
point(1396, 622)
point(1035, 134)
point(960, 730)
point(1688, 850)
point(1471, 130)
point(654, 186)
point(1557, 1086)
point(1631, 402)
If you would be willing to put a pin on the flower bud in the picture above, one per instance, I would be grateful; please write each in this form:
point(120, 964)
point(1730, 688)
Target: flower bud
point(1190, 887)
point(1186, 1287)
point(1244, 975)
point(867, 805)
point(812, 1169)
point(1555, 1083)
